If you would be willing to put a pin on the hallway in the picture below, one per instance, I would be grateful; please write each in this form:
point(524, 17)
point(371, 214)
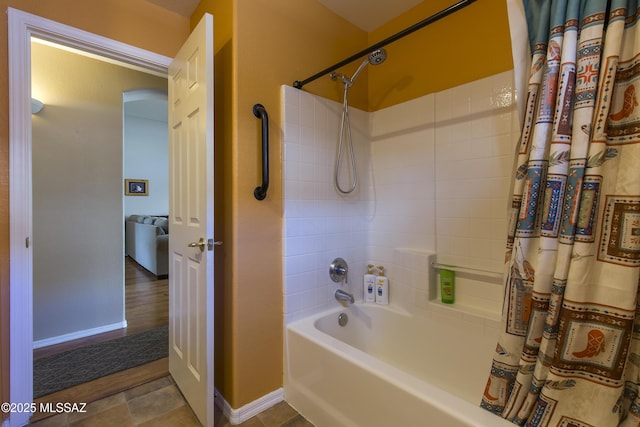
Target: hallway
point(147, 307)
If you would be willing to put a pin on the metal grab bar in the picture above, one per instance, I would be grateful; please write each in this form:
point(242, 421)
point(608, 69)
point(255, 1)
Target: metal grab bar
point(260, 112)
point(486, 273)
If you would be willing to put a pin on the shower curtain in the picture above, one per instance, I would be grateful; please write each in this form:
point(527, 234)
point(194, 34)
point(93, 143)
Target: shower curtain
point(569, 350)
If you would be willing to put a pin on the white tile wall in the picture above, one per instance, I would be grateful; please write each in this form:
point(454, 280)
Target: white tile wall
point(434, 178)
point(403, 236)
point(474, 146)
point(319, 224)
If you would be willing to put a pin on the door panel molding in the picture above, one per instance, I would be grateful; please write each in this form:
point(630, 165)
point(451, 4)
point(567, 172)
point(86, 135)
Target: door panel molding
point(191, 220)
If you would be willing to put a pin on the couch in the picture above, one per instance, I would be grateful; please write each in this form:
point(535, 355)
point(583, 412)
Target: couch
point(147, 242)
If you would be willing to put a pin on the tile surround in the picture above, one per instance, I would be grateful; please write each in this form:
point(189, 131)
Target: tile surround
point(320, 225)
point(434, 178)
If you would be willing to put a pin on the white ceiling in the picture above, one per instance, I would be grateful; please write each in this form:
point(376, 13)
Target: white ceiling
point(366, 14)
point(369, 14)
point(147, 104)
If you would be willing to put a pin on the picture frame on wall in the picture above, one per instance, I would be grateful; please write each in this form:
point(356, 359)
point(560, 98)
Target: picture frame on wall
point(136, 187)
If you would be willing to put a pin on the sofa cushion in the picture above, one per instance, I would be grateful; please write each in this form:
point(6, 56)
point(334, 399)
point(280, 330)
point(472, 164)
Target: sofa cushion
point(147, 244)
point(134, 218)
point(162, 223)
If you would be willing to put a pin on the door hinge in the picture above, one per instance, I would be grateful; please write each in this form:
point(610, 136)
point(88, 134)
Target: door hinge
point(27, 242)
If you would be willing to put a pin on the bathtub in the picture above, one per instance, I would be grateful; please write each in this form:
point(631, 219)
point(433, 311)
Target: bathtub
point(388, 368)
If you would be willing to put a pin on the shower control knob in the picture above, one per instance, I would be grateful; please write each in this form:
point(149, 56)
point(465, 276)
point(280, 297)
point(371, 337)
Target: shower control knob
point(339, 270)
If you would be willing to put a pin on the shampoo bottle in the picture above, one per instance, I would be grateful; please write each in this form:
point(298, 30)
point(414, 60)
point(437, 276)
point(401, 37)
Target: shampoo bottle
point(369, 285)
point(447, 286)
point(382, 287)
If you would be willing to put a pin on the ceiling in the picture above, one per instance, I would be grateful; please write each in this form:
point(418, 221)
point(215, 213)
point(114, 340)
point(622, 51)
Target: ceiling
point(147, 104)
point(369, 14)
point(366, 14)
point(181, 7)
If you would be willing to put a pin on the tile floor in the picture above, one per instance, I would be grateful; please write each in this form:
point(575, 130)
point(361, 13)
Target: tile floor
point(160, 404)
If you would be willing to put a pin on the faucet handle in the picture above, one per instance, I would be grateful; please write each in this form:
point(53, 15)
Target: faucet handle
point(339, 270)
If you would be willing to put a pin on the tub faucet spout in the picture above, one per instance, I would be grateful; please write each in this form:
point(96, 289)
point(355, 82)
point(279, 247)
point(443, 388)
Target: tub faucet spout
point(344, 296)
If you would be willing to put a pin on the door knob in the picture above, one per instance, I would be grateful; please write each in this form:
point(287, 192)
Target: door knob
point(202, 243)
point(199, 244)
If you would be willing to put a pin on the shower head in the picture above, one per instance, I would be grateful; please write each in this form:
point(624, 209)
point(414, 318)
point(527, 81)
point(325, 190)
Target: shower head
point(376, 57)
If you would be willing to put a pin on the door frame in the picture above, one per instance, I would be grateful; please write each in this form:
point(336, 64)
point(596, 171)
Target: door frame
point(22, 26)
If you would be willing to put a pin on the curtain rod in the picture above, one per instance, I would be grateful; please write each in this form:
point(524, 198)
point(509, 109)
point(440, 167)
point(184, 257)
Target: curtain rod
point(431, 19)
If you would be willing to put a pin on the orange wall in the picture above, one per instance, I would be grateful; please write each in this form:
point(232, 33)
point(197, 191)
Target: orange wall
point(276, 42)
point(224, 348)
point(259, 46)
point(135, 22)
point(468, 45)
point(273, 42)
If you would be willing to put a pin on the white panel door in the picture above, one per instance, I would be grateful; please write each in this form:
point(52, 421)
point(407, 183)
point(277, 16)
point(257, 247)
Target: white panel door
point(191, 220)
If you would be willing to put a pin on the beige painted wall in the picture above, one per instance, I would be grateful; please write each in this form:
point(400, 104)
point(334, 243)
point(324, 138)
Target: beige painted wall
point(135, 22)
point(77, 190)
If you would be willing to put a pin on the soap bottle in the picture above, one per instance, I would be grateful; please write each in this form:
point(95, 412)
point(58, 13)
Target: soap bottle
point(447, 286)
point(369, 285)
point(382, 287)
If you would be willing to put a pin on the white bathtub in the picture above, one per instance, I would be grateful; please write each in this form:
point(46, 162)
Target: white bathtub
point(387, 368)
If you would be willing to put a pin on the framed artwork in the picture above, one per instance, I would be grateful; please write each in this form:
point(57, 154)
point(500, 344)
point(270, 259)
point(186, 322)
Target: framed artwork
point(136, 187)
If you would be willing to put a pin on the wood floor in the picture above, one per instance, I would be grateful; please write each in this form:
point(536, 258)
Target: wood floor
point(146, 307)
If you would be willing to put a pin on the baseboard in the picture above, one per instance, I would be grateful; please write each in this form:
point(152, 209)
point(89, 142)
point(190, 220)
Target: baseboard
point(238, 416)
point(79, 334)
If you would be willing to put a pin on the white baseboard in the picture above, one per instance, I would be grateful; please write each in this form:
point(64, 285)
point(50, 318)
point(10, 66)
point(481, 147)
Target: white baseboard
point(79, 334)
point(238, 416)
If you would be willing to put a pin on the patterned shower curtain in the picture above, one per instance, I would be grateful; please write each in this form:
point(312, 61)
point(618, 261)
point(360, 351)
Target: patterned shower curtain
point(569, 351)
